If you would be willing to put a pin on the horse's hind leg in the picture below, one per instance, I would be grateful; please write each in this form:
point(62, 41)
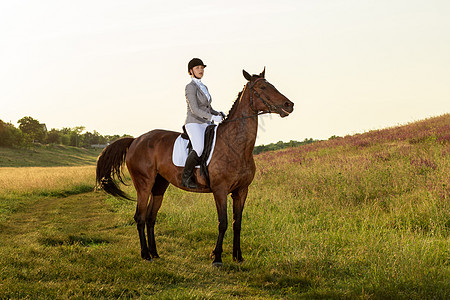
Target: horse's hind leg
point(143, 188)
point(158, 190)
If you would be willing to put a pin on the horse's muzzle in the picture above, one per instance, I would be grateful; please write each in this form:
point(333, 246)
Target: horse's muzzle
point(285, 109)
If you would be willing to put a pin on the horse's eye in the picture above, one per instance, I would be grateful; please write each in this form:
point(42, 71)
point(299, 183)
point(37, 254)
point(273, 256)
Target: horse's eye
point(263, 87)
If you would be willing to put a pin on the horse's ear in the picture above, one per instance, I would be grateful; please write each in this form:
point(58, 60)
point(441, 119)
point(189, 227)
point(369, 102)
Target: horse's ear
point(263, 73)
point(246, 75)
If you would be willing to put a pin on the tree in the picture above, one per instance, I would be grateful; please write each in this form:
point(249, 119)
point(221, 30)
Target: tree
point(89, 139)
point(75, 138)
point(32, 128)
point(54, 136)
point(65, 139)
point(3, 134)
point(10, 136)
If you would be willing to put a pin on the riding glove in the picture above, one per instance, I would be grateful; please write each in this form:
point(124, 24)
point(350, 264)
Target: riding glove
point(216, 119)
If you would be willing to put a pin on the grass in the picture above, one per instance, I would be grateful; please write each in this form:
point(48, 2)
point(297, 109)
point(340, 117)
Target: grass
point(360, 217)
point(39, 180)
point(47, 156)
point(20, 186)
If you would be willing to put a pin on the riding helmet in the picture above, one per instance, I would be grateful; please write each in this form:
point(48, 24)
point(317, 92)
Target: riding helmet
point(195, 62)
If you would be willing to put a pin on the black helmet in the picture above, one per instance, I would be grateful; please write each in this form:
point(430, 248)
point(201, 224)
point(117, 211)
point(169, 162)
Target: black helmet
point(195, 62)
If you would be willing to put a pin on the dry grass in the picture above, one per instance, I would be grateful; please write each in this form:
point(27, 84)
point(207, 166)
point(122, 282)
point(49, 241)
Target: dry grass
point(35, 180)
point(20, 186)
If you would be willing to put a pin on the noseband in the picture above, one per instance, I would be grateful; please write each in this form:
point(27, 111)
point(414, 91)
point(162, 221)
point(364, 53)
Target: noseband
point(270, 106)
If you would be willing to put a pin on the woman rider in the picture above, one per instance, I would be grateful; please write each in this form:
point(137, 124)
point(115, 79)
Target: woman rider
point(200, 114)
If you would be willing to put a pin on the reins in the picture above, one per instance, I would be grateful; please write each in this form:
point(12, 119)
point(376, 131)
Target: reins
point(256, 112)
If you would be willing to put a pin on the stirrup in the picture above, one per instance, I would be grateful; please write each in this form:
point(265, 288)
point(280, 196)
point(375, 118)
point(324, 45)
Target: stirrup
point(189, 183)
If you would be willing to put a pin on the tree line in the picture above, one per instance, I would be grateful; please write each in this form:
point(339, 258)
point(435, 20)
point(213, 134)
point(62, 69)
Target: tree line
point(30, 131)
point(281, 145)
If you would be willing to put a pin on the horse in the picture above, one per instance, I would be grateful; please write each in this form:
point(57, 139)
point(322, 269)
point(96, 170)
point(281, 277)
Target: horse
point(231, 168)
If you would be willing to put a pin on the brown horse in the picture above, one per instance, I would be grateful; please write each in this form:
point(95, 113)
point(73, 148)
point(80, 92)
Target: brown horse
point(231, 169)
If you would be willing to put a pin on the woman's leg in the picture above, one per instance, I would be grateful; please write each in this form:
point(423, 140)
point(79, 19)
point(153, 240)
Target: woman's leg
point(196, 134)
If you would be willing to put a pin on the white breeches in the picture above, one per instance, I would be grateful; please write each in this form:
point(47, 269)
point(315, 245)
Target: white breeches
point(196, 134)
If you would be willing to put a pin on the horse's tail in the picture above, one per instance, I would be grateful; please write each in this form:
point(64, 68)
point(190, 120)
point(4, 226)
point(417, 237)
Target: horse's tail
point(109, 166)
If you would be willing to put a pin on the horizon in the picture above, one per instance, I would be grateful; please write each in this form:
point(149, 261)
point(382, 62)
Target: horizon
point(120, 68)
point(275, 142)
point(256, 145)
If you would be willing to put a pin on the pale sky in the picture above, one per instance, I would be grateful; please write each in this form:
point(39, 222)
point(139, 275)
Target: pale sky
point(121, 66)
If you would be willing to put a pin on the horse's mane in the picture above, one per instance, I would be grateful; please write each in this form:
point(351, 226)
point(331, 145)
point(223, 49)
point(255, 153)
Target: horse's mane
point(235, 104)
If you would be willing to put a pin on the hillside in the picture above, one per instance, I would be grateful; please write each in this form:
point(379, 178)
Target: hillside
point(401, 163)
point(47, 156)
point(434, 130)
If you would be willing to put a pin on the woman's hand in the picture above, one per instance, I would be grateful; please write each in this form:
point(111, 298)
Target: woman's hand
point(216, 119)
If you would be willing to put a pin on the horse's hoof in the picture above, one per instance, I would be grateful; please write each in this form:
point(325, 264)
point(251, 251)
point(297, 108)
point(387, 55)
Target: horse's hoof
point(238, 260)
point(217, 264)
point(147, 258)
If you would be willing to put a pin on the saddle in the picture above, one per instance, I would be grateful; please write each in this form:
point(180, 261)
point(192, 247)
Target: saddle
point(208, 146)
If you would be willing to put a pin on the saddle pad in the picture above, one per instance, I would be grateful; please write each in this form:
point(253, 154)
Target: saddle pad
point(180, 150)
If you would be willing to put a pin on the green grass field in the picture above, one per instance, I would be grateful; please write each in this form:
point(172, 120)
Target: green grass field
point(360, 217)
point(47, 156)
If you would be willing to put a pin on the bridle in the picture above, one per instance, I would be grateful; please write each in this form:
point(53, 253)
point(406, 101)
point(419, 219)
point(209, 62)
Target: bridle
point(270, 106)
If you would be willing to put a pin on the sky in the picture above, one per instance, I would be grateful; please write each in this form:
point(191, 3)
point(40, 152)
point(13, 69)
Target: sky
point(120, 67)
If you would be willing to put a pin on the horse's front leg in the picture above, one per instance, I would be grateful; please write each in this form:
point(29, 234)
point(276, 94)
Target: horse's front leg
point(239, 197)
point(221, 205)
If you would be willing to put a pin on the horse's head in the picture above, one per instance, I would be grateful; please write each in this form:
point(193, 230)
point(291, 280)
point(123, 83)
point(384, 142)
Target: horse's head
point(265, 97)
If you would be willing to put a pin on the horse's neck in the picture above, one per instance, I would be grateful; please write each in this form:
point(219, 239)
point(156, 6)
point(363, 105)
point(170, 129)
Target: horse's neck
point(241, 133)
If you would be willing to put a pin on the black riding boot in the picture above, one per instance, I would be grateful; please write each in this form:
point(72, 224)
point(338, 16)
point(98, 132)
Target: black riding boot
point(188, 179)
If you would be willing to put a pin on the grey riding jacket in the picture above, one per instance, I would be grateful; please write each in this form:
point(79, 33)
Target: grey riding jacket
point(199, 108)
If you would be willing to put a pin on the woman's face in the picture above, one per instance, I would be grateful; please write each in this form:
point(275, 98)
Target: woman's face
point(198, 71)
